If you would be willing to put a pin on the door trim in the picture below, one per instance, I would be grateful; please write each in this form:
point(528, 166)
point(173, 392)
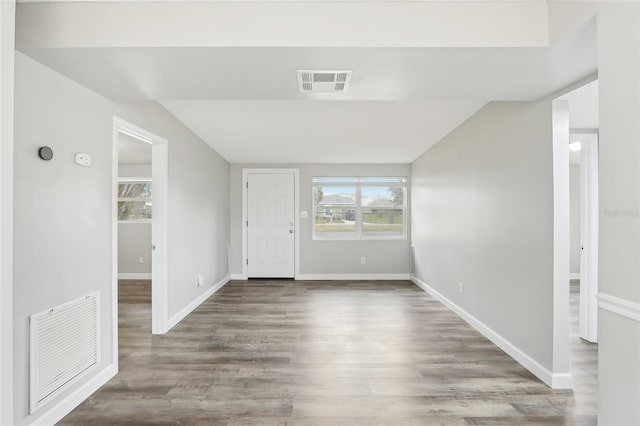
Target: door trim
point(589, 203)
point(560, 314)
point(159, 176)
point(245, 203)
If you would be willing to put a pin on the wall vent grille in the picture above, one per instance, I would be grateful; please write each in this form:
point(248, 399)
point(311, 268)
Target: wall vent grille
point(64, 346)
point(323, 81)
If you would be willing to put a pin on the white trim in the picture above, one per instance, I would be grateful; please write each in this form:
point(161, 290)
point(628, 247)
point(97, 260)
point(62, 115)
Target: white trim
point(159, 236)
point(554, 380)
point(174, 320)
point(353, 277)
point(561, 253)
point(66, 405)
point(588, 323)
point(622, 307)
point(114, 245)
point(134, 276)
point(135, 179)
point(358, 184)
point(238, 277)
point(128, 222)
point(558, 380)
point(160, 173)
point(574, 276)
point(7, 54)
point(245, 236)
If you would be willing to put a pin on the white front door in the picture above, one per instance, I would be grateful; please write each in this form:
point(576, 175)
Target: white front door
point(270, 227)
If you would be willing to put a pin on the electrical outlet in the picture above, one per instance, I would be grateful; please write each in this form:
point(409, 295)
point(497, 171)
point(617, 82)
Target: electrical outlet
point(461, 287)
point(141, 259)
point(363, 260)
point(199, 280)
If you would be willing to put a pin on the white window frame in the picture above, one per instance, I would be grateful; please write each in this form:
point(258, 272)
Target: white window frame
point(134, 180)
point(357, 182)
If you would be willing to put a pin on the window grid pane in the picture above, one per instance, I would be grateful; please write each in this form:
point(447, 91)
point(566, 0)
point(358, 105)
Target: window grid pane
point(134, 201)
point(373, 208)
point(382, 222)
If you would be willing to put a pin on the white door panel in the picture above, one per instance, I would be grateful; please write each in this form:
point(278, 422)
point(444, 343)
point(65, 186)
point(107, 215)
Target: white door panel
point(589, 238)
point(270, 229)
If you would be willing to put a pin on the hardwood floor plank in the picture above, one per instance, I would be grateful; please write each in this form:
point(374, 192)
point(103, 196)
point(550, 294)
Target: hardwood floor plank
point(324, 353)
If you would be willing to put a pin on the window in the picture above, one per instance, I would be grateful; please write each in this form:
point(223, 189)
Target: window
point(134, 200)
point(353, 208)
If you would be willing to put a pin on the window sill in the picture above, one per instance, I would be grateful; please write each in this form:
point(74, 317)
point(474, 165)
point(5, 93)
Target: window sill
point(361, 239)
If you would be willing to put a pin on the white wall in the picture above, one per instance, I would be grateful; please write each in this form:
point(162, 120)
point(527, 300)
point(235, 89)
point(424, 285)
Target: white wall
point(62, 222)
point(7, 33)
point(134, 239)
point(327, 257)
point(63, 211)
point(619, 183)
point(134, 170)
point(198, 198)
point(482, 215)
point(574, 209)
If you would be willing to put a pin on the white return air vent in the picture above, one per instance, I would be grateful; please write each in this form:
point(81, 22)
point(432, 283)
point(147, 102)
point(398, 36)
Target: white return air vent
point(65, 345)
point(316, 81)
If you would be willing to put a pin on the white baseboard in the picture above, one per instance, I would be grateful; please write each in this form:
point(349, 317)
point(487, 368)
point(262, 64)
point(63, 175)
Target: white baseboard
point(134, 276)
point(64, 407)
point(553, 380)
point(561, 381)
point(343, 277)
point(574, 276)
point(239, 277)
point(358, 277)
point(195, 303)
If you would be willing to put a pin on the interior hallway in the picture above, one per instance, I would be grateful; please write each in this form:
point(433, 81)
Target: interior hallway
point(323, 353)
point(583, 355)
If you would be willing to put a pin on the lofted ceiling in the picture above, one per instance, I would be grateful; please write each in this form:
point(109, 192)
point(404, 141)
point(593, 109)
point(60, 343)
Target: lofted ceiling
point(321, 132)
point(244, 101)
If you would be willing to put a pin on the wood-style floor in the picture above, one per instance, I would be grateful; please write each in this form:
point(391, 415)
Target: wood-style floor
point(323, 353)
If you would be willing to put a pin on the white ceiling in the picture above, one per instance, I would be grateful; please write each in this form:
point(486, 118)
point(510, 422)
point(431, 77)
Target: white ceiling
point(133, 151)
point(244, 102)
point(238, 1)
point(387, 74)
point(321, 132)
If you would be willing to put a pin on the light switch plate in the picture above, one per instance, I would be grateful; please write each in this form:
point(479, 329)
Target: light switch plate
point(83, 159)
point(304, 214)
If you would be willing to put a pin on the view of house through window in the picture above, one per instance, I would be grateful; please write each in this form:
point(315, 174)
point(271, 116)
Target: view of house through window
point(346, 208)
point(134, 201)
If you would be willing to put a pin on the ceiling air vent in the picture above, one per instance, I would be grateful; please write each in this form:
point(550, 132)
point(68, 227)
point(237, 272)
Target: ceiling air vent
point(323, 81)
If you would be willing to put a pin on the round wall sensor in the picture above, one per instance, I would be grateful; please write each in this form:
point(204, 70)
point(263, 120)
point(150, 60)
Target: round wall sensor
point(45, 152)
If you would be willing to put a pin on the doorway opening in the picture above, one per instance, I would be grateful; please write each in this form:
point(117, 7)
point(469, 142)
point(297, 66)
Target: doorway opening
point(139, 229)
point(576, 129)
point(270, 238)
